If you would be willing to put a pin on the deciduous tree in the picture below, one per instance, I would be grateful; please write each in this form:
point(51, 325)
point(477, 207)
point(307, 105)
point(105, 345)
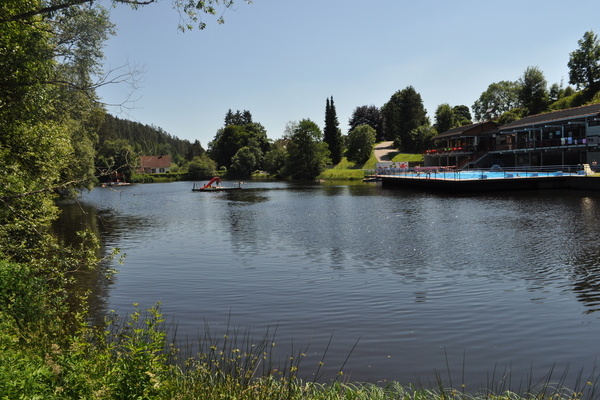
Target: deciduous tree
point(402, 114)
point(498, 98)
point(275, 159)
point(230, 139)
point(584, 63)
point(463, 115)
point(360, 143)
point(307, 153)
point(245, 162)
point(201, 167)
point(445, 119)
point(368, 115)
point(533, 91)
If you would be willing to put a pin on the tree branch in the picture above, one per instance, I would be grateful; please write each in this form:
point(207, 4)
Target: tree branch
point(67, 4)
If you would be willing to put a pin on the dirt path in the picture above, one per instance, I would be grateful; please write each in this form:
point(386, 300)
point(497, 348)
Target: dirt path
point(384, 151)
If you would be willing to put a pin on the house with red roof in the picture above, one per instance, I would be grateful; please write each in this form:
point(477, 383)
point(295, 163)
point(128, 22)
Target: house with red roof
point(155, 164)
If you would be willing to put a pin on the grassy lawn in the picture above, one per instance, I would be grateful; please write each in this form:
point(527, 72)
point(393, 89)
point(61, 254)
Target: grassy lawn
point(347, 170)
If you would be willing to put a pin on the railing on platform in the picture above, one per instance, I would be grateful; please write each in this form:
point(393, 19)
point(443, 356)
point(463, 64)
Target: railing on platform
point(495, 172)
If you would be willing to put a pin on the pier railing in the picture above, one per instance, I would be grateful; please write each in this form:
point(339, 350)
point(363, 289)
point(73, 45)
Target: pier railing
point(495, 172)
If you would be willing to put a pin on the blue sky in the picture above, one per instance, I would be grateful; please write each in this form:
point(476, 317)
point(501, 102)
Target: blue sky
point(281, 59)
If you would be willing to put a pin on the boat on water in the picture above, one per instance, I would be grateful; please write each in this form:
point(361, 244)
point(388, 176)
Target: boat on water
point(214, 185)
point(111, 184)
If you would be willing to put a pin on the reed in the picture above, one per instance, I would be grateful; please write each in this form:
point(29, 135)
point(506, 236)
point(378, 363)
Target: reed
point(131, 358)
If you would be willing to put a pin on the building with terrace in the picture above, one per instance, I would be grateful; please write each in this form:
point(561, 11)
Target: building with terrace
point(564, 137)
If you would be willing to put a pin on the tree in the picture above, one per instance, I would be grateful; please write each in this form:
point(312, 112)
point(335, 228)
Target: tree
point(584, 63)
point(118, 158)
point(332, 133)
point(463, 115)
point(50, 52)
point(307, 154)
point(230, 139)
point(533, 91)
point(498, 98)
point(511, 116)
point(245, 162)
point(240, 118)
point(275, 159)
point(360, 143)
point(422, 136)
point(195, 150)
point(201, 167)
point(368, 115)
point(402, 114)
point(48, 119)
point(190, 11)
point(445, 119)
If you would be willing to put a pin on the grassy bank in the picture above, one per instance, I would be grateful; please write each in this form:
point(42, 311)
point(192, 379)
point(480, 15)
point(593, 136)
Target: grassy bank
point(131, 359)
point(347, 170)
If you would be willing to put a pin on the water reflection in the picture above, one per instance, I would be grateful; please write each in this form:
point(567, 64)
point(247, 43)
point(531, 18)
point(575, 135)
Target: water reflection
point(410, 273)
point(74, 217)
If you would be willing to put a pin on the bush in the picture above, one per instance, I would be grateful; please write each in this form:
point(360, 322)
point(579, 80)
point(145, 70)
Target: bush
point(200, 168)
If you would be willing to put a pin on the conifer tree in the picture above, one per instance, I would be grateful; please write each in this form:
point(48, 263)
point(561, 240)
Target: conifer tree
point(332, 133)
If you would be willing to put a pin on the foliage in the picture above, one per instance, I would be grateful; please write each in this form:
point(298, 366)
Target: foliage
point(445, 119)
point(584, 63)
point(422, 137)
point(332, 135)
point(498, 98)
point(245, 162)
point(47, 130)
point(463, 115)
point(232, 138)
point(275, 159)
point(557, 92)
point(240, 118)
point(145, 140)
point(533, 92)
point(307, 154)
point(118, 159)
point(201, 167)
point(360, 143)
point(402, 115)
point(368, 115)
point(511, 116)
point(576, 99)
point(191, 12)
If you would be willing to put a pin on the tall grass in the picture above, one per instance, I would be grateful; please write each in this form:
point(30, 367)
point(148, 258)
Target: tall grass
point(131, 358)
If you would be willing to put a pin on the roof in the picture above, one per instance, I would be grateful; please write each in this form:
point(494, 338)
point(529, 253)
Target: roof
point(555, 116)
point(155, 161)
point(470, 130)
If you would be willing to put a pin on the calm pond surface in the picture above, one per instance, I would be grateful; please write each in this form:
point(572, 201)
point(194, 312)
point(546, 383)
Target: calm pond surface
point(468, 286)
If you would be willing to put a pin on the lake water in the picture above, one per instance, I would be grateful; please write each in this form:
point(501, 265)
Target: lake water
point(467, 287)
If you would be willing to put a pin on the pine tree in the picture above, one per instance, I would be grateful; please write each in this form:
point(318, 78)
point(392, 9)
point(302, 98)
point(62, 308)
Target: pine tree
point(332, 133)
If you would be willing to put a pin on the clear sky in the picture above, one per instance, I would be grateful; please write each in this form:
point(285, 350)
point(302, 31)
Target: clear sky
point(281, 59)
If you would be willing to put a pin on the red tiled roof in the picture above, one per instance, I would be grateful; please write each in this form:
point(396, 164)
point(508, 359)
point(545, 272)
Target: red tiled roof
point(155, 161)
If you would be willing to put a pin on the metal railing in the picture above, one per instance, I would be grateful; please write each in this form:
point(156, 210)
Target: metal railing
point(495, 172)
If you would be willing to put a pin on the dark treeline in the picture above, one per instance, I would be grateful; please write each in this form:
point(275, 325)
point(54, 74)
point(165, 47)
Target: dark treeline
point(147, 139)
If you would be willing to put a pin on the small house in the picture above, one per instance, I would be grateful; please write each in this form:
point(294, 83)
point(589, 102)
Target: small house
point(155, 164)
